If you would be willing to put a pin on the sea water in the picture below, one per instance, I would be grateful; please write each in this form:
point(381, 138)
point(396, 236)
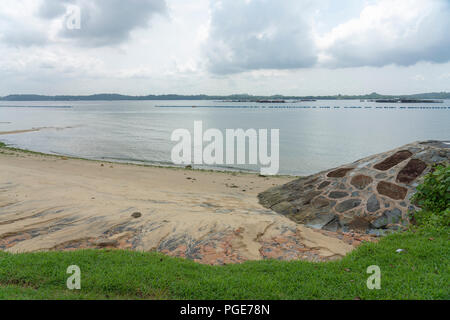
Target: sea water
point(314, 136)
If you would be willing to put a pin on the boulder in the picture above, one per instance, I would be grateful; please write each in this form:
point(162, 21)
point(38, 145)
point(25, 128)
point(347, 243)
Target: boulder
point(392, 190)
point(348, 205)
point(339, 173)
point(393, 160)
point(361, 181)
point(337, 194)
point(413, 169)
point(373, 205)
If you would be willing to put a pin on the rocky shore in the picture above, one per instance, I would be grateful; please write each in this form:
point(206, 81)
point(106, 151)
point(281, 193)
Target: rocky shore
point(59, 203)
point(368, 196)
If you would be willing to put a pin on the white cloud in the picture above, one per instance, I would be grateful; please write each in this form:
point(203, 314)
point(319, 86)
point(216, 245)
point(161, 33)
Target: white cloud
point(263, 34)
point(219, 47)
point(18, 25)
point(401, 32)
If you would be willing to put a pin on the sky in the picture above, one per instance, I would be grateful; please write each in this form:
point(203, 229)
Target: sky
point(219, 47)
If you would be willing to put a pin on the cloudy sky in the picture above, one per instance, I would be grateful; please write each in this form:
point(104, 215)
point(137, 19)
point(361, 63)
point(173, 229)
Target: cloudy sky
point(291, 47)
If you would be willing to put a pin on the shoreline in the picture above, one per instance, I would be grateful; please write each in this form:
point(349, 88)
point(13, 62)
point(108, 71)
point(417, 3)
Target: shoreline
point(144, 164)
point(2, 133)
point(50, 202)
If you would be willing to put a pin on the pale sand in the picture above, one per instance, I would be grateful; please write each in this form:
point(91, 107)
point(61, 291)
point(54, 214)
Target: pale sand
point(19, 131)
point(56, 203)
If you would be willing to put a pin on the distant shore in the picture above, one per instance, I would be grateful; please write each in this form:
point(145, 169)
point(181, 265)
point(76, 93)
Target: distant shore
point(232, 97)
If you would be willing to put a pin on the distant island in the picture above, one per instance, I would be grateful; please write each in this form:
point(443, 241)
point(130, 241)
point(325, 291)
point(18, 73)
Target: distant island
point(233, 97)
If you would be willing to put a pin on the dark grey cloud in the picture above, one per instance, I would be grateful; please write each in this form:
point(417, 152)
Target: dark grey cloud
point(104, 22)
point(259, 34)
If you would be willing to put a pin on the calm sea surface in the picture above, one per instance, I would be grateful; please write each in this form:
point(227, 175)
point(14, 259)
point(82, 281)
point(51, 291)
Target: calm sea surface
point(314, 136)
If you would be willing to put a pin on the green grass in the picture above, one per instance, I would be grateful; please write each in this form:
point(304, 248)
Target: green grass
point(8, 148)
point(419, 272)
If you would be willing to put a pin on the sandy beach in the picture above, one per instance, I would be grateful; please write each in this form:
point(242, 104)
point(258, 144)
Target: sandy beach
point(59, 203)
point(3, 133)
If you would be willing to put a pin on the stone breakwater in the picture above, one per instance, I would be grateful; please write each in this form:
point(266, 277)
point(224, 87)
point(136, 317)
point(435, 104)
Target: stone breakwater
point(368, 196)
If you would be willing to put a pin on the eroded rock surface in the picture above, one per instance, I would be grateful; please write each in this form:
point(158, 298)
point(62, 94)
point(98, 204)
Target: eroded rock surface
point(368, 195)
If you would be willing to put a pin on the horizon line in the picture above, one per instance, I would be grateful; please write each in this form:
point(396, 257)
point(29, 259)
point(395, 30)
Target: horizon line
point(218, 95)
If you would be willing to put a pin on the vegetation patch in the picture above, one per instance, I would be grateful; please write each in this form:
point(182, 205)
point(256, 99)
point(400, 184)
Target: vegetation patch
point(433, 196)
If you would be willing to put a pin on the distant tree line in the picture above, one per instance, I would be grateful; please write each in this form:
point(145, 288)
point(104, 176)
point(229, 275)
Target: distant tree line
point(234, 97)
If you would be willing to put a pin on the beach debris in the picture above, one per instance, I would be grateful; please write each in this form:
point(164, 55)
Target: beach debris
point(136, 215)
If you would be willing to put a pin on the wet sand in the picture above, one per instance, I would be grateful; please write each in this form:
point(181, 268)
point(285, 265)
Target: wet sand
point(59, 203)
point(31, 130)
point(19, 131)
